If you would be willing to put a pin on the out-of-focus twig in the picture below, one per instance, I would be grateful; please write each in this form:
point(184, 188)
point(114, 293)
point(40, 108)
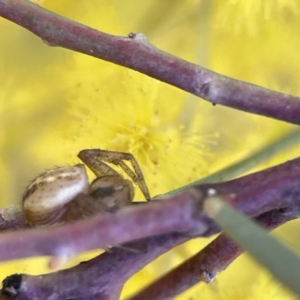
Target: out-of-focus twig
point(211, 260)
point(101, 278)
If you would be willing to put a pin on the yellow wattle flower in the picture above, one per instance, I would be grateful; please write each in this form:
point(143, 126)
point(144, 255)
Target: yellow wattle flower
point(72, 102)
point(145, 124)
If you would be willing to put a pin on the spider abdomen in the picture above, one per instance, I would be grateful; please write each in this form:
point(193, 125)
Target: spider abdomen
point(46, 199)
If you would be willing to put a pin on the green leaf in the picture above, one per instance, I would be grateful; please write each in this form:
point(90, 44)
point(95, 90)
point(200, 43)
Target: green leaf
point(283, 263)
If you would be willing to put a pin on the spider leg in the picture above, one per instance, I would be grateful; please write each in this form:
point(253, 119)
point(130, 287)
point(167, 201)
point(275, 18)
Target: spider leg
point(92, 158)
point(137, 177)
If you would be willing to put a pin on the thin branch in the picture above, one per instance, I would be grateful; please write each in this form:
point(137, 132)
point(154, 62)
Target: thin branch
point(101, 278)
point(211, 260)
point(137, 53)
point(177, 214)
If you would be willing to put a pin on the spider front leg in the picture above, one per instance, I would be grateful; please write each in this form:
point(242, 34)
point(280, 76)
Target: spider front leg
point(95, 159)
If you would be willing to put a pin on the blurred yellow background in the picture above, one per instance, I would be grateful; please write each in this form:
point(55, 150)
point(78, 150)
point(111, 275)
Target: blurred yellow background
point(55, 102)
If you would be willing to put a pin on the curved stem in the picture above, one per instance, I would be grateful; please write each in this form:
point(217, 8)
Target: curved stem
point(135, 52)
